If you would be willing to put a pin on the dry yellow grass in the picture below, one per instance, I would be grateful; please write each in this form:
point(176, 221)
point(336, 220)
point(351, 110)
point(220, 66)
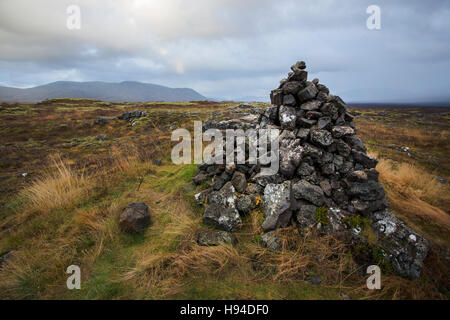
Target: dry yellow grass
point(57, 188)
point(412, 191)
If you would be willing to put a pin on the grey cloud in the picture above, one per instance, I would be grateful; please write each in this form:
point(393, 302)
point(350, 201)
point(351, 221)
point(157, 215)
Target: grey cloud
point(231, 48)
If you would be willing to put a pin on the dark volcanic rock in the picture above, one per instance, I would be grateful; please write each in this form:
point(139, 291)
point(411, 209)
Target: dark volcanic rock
point(305, 190)
point(321, 137)
point(306, 217)
point(239, 181)
point(135, 218)
point(307, 93)
point(364, 159)
point(224, 218)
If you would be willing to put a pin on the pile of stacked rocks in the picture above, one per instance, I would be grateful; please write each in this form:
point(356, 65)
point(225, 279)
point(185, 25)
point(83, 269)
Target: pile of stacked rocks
point(326, 180)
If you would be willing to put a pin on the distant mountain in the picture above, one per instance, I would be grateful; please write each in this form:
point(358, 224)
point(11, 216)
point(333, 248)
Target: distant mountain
point(129, 91)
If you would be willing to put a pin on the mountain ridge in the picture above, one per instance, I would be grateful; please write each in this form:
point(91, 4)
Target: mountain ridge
point(129, 91)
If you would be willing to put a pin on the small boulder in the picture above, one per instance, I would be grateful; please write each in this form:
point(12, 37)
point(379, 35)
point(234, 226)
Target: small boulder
point(135, 218)
point(104, 120)
point(209, 238)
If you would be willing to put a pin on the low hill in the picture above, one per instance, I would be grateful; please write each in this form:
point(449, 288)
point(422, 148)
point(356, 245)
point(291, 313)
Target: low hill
point(112, 92)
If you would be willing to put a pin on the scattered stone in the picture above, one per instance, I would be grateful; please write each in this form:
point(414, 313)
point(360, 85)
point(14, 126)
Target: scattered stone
point(209, 238)
point(104, 120)
point(6, 257)
point(314, 279)
point(101, 137)
point(135, 218)
point(132, 115)
point(157, 162)
point(271, 241)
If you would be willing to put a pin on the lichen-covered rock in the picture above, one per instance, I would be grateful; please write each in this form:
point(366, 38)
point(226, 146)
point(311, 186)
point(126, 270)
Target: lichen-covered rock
point(222, 217)
point(225, 197)
point(342, 131)
point(246, 204)
point(277, 201)
point(254, 189)
point(321, 137)
point(287, 117)
point(405, 249)
point(202, 196)
point(135, 218)
point(290, 157)
point(209, 238)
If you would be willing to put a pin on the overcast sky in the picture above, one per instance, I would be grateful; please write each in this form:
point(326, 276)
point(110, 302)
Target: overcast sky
point(230, 49)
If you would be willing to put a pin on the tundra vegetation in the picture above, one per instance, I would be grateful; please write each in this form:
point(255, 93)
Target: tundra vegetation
point(65, 181)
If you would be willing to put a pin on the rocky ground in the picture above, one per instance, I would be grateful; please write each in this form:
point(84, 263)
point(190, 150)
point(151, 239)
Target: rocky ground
point(125, 159)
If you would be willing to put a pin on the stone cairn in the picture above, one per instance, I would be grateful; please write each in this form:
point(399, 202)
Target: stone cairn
point(326, 181)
